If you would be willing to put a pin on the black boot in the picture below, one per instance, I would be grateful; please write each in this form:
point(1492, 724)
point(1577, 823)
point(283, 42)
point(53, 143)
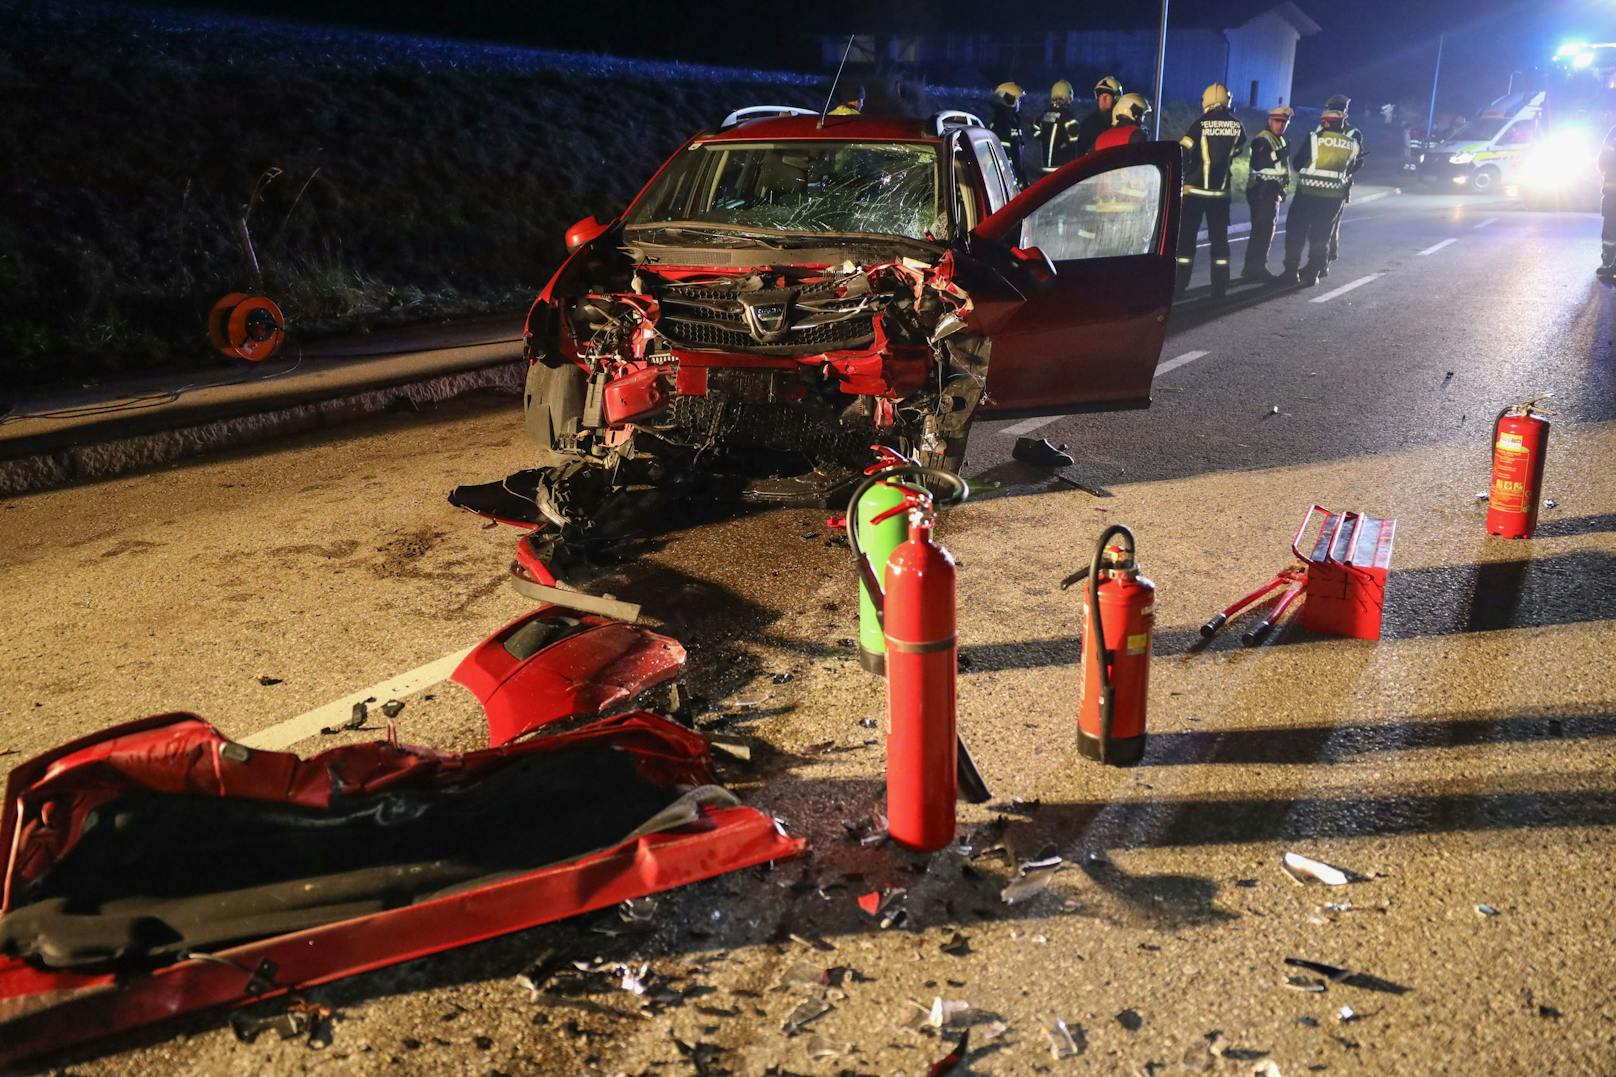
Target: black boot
point(1220, 280)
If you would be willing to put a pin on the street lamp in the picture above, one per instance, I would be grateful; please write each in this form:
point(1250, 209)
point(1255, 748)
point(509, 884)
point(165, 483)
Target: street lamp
point(1161, 62)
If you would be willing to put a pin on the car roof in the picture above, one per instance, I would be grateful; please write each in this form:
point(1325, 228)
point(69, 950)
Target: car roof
point(836, 128)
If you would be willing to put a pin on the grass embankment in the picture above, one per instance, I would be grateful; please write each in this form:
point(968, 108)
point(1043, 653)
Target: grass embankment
point(399, 179)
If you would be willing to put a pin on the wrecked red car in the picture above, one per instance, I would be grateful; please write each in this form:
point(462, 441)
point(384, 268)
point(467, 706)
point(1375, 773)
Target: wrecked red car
point(159, 868)
point(788, 290)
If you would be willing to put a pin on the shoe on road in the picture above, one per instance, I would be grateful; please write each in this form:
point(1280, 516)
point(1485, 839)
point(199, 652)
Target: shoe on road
point(1041, 453)
point(1308, 280)
point(1324, 271)
point(1605, 272)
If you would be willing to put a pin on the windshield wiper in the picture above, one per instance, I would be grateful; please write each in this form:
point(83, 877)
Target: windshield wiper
point(712, 232)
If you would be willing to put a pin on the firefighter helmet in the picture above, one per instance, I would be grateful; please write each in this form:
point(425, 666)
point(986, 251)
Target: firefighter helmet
point(1130, 108)
point(1008, 94)
point(1060, 93)
point(1109, 85)
point(1215, 96)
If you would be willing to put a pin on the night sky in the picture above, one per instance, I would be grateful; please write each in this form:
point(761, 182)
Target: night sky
point(1377, 51)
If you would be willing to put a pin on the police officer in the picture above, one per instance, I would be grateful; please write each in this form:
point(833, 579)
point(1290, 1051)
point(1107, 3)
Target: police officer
point(1007, 125)
point(1107, 92)
point(1324, 161)
point(1128, 122)
point(1343, 102)
point(1607, 209)
point(1266, 183)
point(1056, 129)
point(1209, 148)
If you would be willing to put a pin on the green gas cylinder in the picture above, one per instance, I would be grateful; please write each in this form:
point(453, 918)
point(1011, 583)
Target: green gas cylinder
point(877, 540)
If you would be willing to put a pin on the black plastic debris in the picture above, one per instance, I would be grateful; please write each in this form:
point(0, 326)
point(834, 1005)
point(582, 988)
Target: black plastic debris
point(1041, 453)
point(393, 708)
point(950, 1062)
point(266, 681)
point(869, 723)
point(957, 945)
point(356, 720)
point(782, 678)
point(1130, 1020)
point(1337, 974)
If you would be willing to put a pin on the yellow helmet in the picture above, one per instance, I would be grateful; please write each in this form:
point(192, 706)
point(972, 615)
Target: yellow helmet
point(1060, 93)
point(1109, 85)
point(1215, 96)
point(1131, 107)
point(1008, 93)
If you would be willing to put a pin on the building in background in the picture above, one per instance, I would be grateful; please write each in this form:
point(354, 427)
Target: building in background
point(1250, 47)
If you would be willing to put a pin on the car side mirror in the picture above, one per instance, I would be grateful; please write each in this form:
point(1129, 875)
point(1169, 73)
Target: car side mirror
point(1036, 264)
point(585, 231)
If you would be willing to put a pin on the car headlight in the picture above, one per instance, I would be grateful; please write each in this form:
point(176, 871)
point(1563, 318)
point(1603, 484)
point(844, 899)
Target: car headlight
point(1461, 158)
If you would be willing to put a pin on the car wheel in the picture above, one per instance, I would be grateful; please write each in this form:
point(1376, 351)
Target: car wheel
point(1485, 180)
point(553, 402)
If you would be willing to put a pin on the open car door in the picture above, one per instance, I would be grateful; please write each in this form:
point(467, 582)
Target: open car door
point(1091, 338)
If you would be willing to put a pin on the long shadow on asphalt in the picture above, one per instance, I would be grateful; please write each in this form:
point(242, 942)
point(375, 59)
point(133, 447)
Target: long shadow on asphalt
point(1340, 743)
point(1565, 589)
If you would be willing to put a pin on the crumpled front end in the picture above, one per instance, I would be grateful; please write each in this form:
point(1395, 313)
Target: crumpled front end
point(768, 368)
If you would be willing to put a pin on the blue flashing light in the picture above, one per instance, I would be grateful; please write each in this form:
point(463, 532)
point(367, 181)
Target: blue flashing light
point(1571, 48)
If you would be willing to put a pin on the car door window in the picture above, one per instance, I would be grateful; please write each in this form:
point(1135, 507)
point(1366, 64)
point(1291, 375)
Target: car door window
point(1010, 182)
point(966, 182)
point(1111, 215)
point(997, 195)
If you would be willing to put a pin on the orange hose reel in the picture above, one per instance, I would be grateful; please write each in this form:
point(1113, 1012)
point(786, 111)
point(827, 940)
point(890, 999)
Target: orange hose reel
point(247, 326)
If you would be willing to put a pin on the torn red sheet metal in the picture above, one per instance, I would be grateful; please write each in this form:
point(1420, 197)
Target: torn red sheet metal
point(555, 664)
point(180, 760)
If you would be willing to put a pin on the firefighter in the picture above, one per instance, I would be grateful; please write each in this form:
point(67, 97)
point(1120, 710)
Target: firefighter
point(1007, 125)
point(1323, 161)
point(1107, 92)
point(852, 106)
point(1210, 146)
point(1056, 130)
point(1607, 208)
point(1266, 184)
point(1344, 102)
point(1128, 122)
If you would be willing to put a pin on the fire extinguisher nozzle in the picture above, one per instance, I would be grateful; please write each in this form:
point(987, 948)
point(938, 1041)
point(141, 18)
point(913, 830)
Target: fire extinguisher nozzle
point(1211, 627)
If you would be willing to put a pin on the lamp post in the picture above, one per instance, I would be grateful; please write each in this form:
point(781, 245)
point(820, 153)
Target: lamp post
point(1161, 63)
point(1430, 117)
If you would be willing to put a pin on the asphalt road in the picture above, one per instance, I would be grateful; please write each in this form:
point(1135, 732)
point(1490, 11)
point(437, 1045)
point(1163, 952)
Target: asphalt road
point(1463, 760)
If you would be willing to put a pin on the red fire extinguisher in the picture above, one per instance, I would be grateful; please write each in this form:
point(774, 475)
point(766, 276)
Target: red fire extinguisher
point(1520, 446)
point(1119, 613)
point(927, 765)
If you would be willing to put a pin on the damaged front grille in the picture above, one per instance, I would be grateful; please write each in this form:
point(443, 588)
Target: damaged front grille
point(815, 432)
point(827, 315)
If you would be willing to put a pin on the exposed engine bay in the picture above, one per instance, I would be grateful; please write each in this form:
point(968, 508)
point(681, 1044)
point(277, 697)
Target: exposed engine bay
point(784, 375)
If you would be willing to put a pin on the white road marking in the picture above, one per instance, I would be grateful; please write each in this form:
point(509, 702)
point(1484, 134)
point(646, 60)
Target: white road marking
point(1027, 426)
point(1489, 220)
point(287, 733)
point(1345, 288)
point(1176, 362)
point(1433, 248)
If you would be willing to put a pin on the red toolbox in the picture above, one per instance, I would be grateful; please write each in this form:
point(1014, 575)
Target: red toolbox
point(1346, 572)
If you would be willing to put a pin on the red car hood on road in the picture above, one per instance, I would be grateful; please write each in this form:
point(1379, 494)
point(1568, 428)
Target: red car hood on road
point(158, 868)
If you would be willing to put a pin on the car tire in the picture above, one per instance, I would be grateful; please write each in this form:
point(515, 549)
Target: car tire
point(1485, 181)
point(553, 402)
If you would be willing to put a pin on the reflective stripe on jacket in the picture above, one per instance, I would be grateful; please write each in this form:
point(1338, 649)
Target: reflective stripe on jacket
point(1325, 163)
point(1210, 146)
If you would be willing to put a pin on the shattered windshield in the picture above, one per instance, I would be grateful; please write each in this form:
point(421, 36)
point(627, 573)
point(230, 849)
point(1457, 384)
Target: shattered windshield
point(889, 188)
